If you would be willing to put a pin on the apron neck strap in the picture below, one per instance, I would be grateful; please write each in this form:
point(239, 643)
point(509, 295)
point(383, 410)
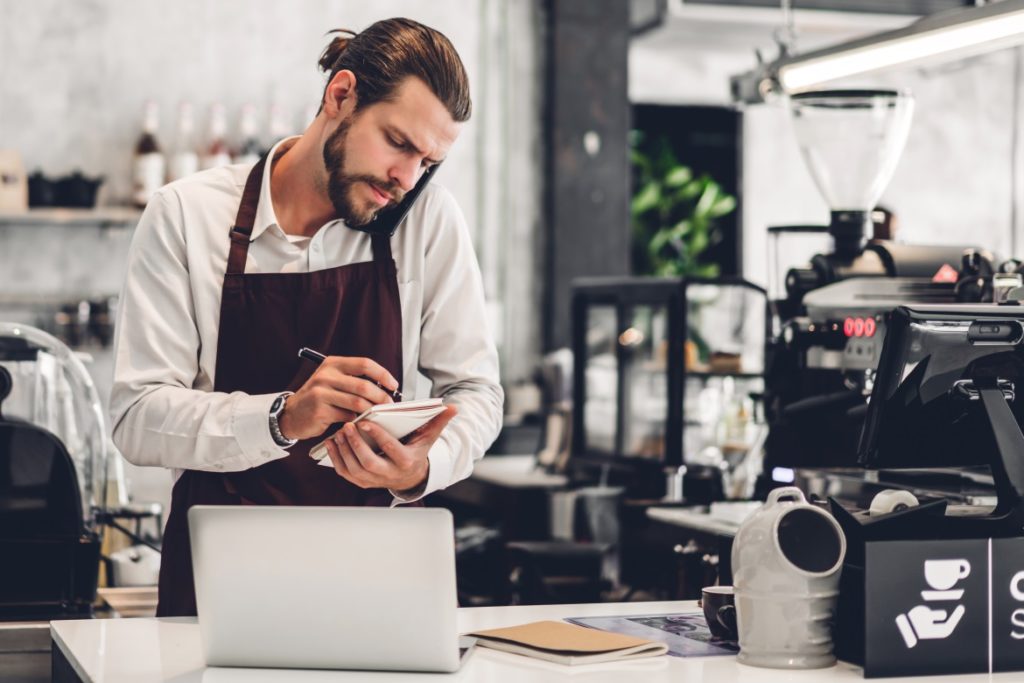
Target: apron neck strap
point(241, 231)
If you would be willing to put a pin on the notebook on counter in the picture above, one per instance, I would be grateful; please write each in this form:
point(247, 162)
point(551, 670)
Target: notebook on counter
point(397, 419)
point(557, 641)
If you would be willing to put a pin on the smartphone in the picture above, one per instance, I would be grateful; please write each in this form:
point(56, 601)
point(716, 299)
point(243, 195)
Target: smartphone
point(388, 220)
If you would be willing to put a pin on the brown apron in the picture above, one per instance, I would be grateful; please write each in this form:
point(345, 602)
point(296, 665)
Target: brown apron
point(265, 318)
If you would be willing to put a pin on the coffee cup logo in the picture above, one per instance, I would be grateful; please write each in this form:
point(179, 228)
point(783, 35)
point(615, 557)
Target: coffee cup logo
point(943, 574)
point(927, 623)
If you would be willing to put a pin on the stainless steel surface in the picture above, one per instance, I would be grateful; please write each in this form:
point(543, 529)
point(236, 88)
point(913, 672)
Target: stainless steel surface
point(967, 490)
point(25, 667)
point(24, 636)
point(25, 651)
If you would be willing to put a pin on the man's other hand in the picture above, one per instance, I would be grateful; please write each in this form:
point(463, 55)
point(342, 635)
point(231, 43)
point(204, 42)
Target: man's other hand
point(399, 466)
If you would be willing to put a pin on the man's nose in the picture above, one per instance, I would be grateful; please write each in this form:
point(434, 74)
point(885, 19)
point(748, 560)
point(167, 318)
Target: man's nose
point(406, 173)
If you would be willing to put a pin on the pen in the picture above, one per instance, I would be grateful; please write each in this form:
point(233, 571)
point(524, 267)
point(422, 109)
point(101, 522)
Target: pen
point(317, 357)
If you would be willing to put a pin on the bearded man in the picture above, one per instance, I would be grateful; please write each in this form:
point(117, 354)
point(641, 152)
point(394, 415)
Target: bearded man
point(234, 269)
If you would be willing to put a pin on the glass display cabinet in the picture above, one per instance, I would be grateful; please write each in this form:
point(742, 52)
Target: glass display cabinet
point(665, 367)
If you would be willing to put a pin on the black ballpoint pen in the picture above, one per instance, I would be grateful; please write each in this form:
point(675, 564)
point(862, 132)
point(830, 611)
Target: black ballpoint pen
point(317, 357)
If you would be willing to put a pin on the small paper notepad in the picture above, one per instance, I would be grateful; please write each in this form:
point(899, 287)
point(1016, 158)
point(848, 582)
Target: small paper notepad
point(564, 643)
point(397, 419)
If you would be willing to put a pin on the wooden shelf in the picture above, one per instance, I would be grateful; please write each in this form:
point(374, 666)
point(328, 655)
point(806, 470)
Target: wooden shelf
point(108, 216)
point(49, 300)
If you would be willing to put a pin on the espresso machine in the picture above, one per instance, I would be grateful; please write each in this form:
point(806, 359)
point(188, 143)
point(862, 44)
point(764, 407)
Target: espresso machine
point(831, 317)
point(53, 475)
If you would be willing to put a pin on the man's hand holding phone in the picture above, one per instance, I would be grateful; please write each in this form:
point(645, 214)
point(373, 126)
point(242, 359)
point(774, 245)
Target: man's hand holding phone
point(340, 389)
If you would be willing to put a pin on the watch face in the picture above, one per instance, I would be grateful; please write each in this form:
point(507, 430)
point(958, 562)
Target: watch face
point(277, 404)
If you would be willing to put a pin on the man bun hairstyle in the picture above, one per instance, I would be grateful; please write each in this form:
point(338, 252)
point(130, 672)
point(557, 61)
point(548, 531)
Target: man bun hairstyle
point(390, 51)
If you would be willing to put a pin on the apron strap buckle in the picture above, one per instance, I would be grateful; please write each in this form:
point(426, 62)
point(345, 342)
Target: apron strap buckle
point(238, 250)
point(240, 235)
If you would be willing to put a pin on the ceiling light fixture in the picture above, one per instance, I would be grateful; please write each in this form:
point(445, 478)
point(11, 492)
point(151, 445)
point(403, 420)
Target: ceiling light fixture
point(944, 36)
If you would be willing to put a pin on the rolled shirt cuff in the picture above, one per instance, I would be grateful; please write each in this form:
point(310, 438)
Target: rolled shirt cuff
point(440, 474)
point(250, 424)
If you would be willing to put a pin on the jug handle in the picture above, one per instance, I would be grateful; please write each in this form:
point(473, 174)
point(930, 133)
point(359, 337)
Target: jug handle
point(786, 492)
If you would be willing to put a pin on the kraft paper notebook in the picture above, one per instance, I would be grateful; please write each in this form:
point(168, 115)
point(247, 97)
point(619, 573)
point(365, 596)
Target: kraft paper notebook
point(397, 419)
point(564, 643)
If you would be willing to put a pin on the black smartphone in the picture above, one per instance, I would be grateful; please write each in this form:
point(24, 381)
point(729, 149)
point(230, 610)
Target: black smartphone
point(388, 220)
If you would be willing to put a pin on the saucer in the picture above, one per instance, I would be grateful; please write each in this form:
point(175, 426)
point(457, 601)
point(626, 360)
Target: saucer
point(955, 594)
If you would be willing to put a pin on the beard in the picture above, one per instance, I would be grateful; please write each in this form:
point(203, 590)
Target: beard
point(341, 186)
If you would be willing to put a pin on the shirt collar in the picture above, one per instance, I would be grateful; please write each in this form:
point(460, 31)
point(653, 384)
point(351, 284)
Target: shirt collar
point(265, 216)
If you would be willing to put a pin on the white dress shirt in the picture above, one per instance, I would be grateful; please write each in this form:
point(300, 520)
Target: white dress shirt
point(163, 408)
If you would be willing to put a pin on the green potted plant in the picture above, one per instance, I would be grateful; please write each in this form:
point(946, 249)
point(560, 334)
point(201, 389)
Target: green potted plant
point(673, 212)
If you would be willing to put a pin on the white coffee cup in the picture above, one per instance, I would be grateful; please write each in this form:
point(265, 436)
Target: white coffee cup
point(943, 574)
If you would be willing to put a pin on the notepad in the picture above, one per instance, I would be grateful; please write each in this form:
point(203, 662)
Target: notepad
point(397, 419)
point(569, 644)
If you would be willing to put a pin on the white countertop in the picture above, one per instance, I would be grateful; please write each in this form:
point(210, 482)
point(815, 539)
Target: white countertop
point(693, 519)
point(144, 650)
point(517, 471)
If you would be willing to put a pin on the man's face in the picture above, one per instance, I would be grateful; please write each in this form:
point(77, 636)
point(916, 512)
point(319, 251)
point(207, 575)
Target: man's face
point(378, 153)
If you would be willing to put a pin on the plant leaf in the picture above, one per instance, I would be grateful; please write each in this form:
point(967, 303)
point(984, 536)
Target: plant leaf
point(658, 241)
point(708, 270)
point(690, 190)
point(640, 160)
point(678, 177)
point(707, 198)
point(647, 198)
point(698, 241)
point(723, 206)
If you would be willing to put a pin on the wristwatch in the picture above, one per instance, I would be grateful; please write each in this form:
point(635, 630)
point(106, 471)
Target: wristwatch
point(276, 408)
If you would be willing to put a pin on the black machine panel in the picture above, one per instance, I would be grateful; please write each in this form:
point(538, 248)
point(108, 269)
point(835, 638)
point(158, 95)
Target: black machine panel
point(926, 408)
point(820, 367)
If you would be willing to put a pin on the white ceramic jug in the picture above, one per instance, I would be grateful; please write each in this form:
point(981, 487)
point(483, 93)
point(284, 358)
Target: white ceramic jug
point(786, 560)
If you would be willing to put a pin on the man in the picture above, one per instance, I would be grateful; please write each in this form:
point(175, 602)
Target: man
point(233, 270)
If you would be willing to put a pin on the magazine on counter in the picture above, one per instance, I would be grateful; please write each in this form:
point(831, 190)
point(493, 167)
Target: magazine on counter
point(686, 634)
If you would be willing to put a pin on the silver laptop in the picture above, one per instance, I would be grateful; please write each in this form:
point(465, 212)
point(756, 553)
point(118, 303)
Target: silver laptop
point(326, 587)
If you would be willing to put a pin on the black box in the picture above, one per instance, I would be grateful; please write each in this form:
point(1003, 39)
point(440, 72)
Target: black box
point(927, 607)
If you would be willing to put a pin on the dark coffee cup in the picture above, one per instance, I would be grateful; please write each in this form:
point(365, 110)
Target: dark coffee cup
point(720, 612)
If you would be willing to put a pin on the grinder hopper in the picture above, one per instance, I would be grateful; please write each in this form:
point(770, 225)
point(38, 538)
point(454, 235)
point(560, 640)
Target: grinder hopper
point(851, 141)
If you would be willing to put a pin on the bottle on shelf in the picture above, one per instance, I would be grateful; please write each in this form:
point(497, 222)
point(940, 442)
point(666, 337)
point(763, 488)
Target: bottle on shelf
point(249, 148)
point(184, 157)
point(148, 166)
point(216, 153)
point(277, 126)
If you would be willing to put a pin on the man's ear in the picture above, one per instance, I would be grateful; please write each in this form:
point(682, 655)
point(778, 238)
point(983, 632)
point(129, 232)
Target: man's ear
point(340, 94)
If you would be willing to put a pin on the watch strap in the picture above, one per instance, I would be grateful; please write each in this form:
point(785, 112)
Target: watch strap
point(275, 426)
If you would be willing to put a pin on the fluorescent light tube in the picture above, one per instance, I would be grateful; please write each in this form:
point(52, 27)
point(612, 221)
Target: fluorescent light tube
point(947, 35)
